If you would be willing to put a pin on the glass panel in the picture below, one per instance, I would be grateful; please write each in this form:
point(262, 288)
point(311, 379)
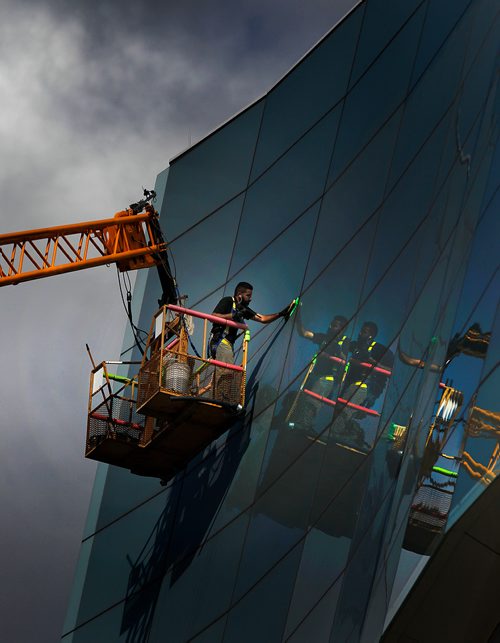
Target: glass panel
point(366, 106)
point(164, 544)
point(381, 23)
point(346, 208)
point(317, 623)
point(106, 627)
point(287, 190)
point(442, 80)
point(192, 191)
point(440, 21)
point(309, 92)
point(269, 599)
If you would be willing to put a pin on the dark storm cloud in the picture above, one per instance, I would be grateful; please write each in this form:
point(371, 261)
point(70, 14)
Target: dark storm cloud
point(146, 62)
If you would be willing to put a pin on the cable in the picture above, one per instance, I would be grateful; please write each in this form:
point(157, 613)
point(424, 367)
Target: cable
point(128, 311)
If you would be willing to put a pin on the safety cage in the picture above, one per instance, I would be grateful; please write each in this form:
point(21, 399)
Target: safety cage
point(114, 427)
point(169, 374)
point(157, 420)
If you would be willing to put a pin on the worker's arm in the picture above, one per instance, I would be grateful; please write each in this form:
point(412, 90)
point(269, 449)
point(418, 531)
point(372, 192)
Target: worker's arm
point(229, 316)
point(308, 334)
point(267, 319)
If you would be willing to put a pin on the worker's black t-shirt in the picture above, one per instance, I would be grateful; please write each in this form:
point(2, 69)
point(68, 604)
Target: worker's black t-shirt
point(329, 345)
point(240, 313)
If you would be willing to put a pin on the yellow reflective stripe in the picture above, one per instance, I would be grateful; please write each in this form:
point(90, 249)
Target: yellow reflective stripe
point(361, 384)
point(227, 342)
point(328, 378)
point(371, 346)
point(226, 328)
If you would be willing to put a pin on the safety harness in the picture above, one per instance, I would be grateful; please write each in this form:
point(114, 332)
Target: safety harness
point(213, 345)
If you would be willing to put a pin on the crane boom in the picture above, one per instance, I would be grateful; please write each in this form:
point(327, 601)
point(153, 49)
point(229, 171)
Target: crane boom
point(128, 239)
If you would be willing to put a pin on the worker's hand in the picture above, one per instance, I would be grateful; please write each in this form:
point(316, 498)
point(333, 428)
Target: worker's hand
point(286, 312)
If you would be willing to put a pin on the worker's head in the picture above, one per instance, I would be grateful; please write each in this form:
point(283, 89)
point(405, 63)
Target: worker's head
point(337, 325)
point(243, 293)
point(368, 331)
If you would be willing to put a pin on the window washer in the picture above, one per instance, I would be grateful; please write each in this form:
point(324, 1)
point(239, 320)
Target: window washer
point(236, 308)
point(362, 385)
point(325, 375)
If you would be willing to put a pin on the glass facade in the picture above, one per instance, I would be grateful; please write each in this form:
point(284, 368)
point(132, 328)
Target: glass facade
point(363, 182)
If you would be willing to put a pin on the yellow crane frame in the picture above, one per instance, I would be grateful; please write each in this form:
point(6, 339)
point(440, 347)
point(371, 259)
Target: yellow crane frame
point(127, 239)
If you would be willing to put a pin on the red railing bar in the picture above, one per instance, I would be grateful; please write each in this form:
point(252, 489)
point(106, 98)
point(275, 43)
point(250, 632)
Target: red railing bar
point(106, 418)
point(336, 359)
point(233, 367)
point(357, 406)
point(213, 318)
point(172, 344)
point(341, 401)
point(375, 368)
point(367, 364)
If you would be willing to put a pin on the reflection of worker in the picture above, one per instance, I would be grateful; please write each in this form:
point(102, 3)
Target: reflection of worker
point(325, 374)
point(237, 309)
point(362, 384)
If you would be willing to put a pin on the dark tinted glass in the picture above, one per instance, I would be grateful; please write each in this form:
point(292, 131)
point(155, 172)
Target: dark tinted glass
point(363, 182)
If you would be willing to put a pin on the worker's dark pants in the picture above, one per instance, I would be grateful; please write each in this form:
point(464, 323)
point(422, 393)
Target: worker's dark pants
point(306, 408)
point(224, 381)
point(345, 425)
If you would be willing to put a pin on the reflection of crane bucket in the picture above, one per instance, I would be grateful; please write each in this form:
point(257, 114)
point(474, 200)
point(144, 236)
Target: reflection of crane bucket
point(428, 516)
point(176, 376)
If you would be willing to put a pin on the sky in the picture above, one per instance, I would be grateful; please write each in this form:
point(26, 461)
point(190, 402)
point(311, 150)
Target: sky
point(96, 98)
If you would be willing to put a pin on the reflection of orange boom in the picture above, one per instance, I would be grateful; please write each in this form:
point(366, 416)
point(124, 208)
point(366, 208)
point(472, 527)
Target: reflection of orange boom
point(485, 424)
point(477, 470)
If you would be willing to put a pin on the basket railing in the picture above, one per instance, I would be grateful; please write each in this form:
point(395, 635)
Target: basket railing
point(112, 408)
point(170, 367)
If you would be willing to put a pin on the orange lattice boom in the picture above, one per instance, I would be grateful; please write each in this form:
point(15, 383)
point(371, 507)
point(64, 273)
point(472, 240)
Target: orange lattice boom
point(128, 239)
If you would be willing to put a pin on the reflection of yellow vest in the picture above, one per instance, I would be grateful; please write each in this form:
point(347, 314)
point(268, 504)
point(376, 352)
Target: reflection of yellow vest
point(330, 378)
point(361, 384)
